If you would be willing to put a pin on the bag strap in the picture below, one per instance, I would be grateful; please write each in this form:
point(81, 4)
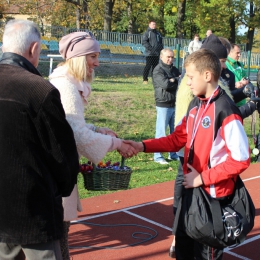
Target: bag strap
point(216, 214)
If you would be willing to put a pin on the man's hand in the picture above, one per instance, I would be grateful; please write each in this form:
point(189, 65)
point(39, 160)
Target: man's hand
point(244, 81)
point(239, 84)
point(192, 179)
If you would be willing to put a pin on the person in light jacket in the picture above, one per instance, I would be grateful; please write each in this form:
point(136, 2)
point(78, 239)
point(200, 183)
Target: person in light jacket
point(72, 78)
point(195, 44)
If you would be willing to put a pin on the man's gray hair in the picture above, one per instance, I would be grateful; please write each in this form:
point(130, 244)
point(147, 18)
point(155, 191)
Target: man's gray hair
point(18, 36)
point(165, 50)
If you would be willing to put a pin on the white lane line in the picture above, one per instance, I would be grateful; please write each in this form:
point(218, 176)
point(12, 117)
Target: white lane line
point(121, 210)
point(250, 179)
point(249, 240)
point(148, 220)
point(238, 256)
point(227, 250)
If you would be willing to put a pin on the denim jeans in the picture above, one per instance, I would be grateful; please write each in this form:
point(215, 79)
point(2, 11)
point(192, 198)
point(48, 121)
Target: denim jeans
point(165, 118)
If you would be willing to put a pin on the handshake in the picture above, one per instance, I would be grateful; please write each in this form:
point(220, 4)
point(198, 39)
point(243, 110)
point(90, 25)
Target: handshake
point(130, 148)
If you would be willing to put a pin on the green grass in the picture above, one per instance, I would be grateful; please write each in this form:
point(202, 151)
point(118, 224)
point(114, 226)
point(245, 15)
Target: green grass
point(127, 106)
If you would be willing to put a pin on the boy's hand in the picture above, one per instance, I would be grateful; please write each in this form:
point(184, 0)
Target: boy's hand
point(137, 145)
point(127, 150)
point(192, 179)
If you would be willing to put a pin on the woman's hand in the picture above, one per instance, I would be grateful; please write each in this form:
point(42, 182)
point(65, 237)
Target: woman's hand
point(127, 150)
point(106, 131)
point(192, 179)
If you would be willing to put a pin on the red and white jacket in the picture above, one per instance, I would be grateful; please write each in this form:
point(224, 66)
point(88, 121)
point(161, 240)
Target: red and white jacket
point(220, 145)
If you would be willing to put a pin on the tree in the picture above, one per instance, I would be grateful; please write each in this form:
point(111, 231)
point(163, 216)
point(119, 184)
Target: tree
point(130, 15)
point(108, 12)
point(38, 10)
point(250, 19)
point(82, 16)
point(180, 18)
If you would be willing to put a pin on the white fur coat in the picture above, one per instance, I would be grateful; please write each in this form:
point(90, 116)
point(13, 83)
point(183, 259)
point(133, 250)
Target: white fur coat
point(90, 144)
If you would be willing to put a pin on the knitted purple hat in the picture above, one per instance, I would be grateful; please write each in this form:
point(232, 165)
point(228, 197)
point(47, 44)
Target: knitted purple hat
point(78, 44)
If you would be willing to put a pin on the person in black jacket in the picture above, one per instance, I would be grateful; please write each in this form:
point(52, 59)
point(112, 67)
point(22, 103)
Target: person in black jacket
point(152, 41)
point(165, 83)
point(39, 159)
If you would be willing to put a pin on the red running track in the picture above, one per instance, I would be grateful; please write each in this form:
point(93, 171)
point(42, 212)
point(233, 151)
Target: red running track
point(146, 210)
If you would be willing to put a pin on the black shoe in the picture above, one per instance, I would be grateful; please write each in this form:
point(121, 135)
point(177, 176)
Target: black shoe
point(172, 252)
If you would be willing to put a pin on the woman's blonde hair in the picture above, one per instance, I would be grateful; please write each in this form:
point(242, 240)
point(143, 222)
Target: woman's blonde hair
point(78, 68)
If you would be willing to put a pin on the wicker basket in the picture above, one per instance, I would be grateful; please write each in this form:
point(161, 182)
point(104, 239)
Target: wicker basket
point(108, 179)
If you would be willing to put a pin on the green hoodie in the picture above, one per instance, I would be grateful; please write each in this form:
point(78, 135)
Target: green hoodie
point(238, 69)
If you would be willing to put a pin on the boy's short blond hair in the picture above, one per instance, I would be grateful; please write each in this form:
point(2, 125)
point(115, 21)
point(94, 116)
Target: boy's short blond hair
point(203, 60)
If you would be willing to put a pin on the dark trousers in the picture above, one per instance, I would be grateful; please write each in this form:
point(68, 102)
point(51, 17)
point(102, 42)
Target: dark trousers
point(196, 250)
point(64, 243)
point(178, 187)
point(151, 62)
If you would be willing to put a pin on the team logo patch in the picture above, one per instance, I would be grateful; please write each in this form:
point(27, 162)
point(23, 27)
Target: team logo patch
point(206, 122)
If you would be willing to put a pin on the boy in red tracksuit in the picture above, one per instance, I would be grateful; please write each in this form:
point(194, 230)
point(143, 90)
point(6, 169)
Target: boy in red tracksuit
point(216, 145)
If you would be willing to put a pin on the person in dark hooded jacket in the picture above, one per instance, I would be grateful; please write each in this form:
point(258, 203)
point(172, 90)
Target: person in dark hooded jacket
point(152, 41)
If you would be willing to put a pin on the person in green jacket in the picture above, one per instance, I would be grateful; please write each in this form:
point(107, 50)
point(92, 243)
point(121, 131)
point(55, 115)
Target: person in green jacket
point(237, 68)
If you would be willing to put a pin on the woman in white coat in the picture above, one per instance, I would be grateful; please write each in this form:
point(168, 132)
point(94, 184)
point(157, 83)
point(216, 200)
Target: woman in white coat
point(72, 78)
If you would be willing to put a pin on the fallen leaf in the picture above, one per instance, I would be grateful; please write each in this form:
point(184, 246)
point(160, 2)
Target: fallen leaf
point(116, 201)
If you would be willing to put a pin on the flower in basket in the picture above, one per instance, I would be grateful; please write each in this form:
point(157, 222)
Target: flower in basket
point(108, 164)
point(86, 168)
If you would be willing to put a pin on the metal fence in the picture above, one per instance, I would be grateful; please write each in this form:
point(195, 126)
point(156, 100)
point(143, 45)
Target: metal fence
point(59, 31)
point(123, 54)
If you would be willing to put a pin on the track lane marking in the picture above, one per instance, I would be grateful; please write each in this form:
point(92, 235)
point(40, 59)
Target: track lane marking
point(127, 211)
point(121, 210)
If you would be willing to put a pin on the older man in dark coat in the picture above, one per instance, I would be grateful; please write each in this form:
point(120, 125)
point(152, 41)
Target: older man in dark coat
point(39, 160)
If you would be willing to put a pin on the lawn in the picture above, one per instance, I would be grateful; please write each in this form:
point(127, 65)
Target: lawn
point(127, 106)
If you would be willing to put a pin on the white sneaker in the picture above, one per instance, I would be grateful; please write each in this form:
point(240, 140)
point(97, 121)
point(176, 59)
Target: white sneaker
point(161, 161)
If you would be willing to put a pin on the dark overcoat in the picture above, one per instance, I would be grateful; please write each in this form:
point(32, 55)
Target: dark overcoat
point(38, 155)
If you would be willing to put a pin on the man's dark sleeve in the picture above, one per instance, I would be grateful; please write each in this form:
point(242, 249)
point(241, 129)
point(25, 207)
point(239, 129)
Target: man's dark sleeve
point(145, 42)
point(247, 109)
point(238, 94)
point(58, 140)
